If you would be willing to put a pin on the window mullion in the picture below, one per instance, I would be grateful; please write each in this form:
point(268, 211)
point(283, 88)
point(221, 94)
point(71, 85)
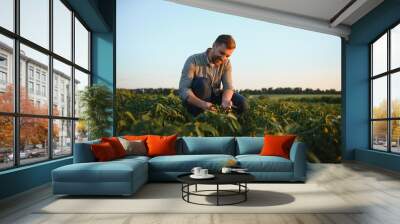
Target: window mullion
point(389, 106)
point(73, 82)
point(371, 144)
point(50, 81)
point(16, 84)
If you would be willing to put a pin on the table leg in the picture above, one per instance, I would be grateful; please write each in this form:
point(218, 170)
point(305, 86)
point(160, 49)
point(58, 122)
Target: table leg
point(217, 194)
point(245, 193)
point(188, 190)
point(196, 187)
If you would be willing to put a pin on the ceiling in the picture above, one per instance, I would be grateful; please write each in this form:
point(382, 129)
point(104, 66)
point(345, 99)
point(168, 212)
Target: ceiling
point(333, 17)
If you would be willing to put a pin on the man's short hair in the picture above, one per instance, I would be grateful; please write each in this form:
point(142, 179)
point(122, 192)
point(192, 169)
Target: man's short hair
point(227, 40)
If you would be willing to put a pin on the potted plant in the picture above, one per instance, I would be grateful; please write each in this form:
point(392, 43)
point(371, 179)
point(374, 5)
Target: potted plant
point(96, 103)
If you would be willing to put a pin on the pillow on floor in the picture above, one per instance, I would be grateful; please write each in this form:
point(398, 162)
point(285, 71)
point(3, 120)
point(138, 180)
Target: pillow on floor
point(134, 147)
point(161, 145)
point(277, 145)
point(117, 146)
point(103, 152)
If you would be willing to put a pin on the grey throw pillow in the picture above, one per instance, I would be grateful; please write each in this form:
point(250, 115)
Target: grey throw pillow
point(135, 147)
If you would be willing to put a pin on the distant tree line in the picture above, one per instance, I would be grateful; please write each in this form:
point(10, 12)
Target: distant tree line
point(287, 90)
point(270, 90)
point(158, 91)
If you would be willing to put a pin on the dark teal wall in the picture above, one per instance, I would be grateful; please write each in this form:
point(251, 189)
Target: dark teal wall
point(356, 99)
point(24, 178)
point(92, 12)
point(356, 85)
point(103, 51)
point(103, 61)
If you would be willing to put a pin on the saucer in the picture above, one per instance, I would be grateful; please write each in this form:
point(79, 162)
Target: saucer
point(208, 176)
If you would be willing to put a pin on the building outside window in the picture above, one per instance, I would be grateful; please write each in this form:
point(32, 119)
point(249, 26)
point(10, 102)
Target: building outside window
point(38, 89)
point(37, 75)
point(3, 61)
point(43, 90)
point(30, 87)
point(3, 72)
point(30, 72)
point(3, 78)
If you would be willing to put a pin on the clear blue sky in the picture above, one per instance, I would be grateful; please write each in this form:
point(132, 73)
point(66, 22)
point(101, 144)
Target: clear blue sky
point(155, 37)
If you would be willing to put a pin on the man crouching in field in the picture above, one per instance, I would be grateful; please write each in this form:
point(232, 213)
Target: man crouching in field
point(202, 74)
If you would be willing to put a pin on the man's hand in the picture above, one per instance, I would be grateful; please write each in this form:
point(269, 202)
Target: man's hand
point(208, 106)
point(226, 101)
point(226, 104)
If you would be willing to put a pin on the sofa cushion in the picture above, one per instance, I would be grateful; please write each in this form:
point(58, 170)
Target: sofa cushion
point(249, 145)
point(134, 147)
point(83, 152)
point(116, 145)
point(103, 152)
point(277, 145)
point(111, 171)
point(208, 145)
point(257, 163)
point(136, 137)
point(185, 163)
point(161, 145)
point(133, 158)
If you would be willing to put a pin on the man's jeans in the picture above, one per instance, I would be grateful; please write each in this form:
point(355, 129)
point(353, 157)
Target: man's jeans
point(202, 88)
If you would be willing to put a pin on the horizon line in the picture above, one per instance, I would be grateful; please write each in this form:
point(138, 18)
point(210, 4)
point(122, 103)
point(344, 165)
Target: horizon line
point(266, 88)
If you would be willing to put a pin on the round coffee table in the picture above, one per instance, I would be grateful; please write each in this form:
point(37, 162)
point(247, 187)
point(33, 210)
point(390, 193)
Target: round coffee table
point(238, 179)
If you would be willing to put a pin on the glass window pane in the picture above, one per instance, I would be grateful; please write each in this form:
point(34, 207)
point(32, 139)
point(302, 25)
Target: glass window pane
point(395, 94)
point(81, 82)
point(33, 139)
point(395, 136)
point(379, 97)
point(379, 135)
point(7, 14)
point(62, 89)
point(34, 72)
point(6, 74)
point(6, 142)
point(395, 47)
point(35, 21)
point(81, 131)
point(62, 29)
point(62, 138)
point(81, 45)
point(379, 55)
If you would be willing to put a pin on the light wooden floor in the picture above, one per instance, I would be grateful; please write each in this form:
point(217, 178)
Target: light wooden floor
point(379, 189)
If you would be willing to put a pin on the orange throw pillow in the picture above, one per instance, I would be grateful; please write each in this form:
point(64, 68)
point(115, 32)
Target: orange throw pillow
point(103, 152)
point(277, 145)
point(116, 145)
point(136, 137)
point(161, 145)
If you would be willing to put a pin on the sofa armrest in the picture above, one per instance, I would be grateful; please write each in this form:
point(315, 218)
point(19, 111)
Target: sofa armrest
point(299, 159)
point(83, 152)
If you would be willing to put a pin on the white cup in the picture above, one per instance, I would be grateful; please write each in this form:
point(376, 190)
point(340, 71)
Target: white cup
point(226, 170)
point(196, 171)
point(203, 172)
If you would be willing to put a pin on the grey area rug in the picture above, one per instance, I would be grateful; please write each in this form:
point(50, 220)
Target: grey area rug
point(166, 198)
